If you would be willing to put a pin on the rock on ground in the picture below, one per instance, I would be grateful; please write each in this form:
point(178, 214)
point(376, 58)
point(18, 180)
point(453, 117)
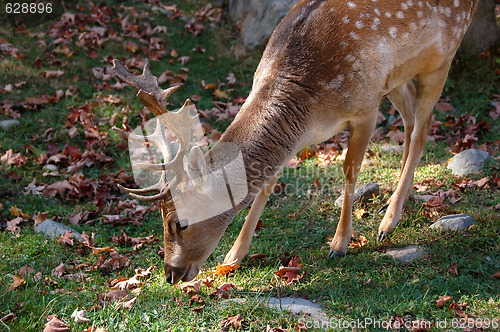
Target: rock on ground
point(468, 162)
point(298, 306)
point(363, 193)
point(7, 124)
point(52, 229)
point(454, 222)
point(258, 18)
point(408, 254)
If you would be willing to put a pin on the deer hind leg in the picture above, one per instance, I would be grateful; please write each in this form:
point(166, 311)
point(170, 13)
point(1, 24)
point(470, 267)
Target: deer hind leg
point(360, 136)
point(404, 98)
point(429, 88)
point(241, 246)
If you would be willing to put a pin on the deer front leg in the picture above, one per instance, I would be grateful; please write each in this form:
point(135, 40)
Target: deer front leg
point(361, 134)
point(428, 92)
point(241, 246)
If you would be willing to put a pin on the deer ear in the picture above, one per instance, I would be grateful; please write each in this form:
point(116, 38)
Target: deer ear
point(196, 168)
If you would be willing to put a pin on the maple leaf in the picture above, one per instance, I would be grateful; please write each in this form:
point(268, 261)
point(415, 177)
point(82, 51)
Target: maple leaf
point(59, 187)
point(52, 73)
point(224, 269)
point(55, 324)
point(25, 270)
point(33, 189)
point(18, 282)
point(58, 271)
point(116, 261)
point(190, 287)
point(290, 272)
point(10, 158)
point(12, 225)
point(235, 322)
point(66, 239)
point(442, 300)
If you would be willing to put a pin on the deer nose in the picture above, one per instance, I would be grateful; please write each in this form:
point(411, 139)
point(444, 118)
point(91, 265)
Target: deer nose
point(173, 274)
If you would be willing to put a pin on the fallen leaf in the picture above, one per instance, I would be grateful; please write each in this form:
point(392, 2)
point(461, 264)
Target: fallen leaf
point(290, 272)
point(496, 275)
point(224, 269)
point(358, 244)
point(220, 94)
point(116, 261)
point(54, 324)
point(9, 318)
point(190, 287)
point(18, 282)
point(199, 300)
point(58, 271)
point(114, 295)
point(442, 300)
point(125, 304)
point(66, 239)
point(25, 270)
point(235, 322)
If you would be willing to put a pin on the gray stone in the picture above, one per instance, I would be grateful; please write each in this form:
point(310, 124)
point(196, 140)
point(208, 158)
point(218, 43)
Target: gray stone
point(407, 254)
point(298, 306)
point(455, 222)
point(7, 124)
point(53, 230)
point(468, 162)
point(363, 193)
point(258, 18)
point(391, 148)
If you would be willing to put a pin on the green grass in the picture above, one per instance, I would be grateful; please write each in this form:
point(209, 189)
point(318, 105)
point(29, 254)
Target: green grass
point(365, 284)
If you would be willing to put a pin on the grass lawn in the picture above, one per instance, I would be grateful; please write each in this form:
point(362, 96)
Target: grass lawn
point(63, 162)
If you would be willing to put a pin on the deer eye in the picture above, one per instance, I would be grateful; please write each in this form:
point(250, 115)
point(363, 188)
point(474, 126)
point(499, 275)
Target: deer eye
point(181, 225)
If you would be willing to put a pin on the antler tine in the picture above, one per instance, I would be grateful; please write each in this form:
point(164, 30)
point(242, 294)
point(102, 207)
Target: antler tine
point(146, 81)
point(161, 187)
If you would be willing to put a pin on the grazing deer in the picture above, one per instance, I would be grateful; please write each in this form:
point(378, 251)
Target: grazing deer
point(327, 66)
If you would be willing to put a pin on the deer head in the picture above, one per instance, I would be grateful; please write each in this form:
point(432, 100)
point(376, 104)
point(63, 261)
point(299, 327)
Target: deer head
point(198, 191)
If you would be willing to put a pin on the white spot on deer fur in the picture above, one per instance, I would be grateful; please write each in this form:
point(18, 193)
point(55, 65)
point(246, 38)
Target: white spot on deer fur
point(406, 35)
point(413, 26)
point(350, 58)
point(404, 6)
point(351, 4)
point(354, 35)
point(345, 19)
point(456, 3)
point(400, 15)
point(377, 11)
point(359, 24)
point(356, 66)
point(393, 31)
point(459, 18)
point(447, 11)
point(463, 15)
point(343, 44)
point(336, 82)
point(376, 22)
point(420, 4)
point(388, 15)
point(420, 14)
point(468, 15)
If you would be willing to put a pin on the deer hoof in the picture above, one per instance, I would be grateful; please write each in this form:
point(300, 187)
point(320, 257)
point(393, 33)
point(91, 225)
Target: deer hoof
point(383, 209)
point(336, 254)
point(382, 235)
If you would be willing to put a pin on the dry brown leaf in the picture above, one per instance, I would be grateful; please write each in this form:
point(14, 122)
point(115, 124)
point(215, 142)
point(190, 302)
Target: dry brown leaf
point(190, 287)
point(358, 244)
point(496, 275)
point(290, 272)
point(8, 318)
point(18, 282)
point(125, 304)
point(442, 300)
point(66, 239)
point(115, 295)
point(26, 269)
point(116, 261)
point(220, 94)
point(58, 271)
point(235, 322)
point(54, 324)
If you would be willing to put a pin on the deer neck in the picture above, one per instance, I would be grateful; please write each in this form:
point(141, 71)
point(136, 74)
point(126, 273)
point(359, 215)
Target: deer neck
point(267, 131)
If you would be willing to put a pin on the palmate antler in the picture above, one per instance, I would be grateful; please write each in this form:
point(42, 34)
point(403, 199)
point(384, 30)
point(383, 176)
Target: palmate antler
point(180, 123)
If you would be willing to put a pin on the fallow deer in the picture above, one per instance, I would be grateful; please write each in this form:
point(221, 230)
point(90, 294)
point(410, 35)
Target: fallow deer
point(327, 66)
